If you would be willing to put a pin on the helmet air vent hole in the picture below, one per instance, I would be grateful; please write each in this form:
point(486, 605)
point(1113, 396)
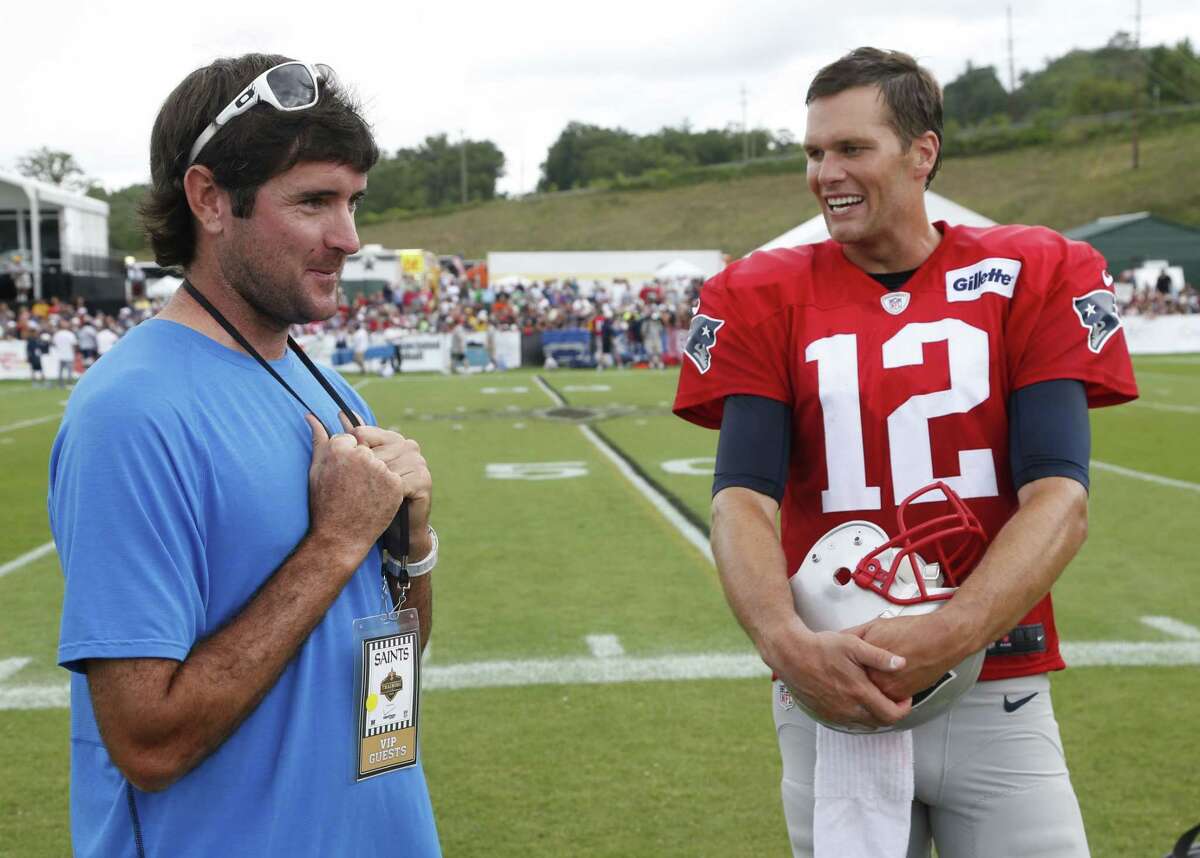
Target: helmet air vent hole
point(843, 576)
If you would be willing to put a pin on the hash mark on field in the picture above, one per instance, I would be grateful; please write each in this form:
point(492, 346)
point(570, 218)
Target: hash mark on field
point(1149, 478)
point(11, 666)
point(605, 646)
point(1173, 627)
point(25, 424)
point(26, 558)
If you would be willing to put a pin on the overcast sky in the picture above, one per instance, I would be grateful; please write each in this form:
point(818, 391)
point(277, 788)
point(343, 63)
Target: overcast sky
point(89, 77)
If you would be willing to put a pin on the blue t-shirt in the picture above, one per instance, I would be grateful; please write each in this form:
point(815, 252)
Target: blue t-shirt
point(178, 484)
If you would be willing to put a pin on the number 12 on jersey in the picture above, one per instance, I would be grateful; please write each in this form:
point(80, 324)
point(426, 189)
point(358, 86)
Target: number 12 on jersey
point(909, 448)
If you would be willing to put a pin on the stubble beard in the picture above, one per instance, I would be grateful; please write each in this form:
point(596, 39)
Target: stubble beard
point(271, 295)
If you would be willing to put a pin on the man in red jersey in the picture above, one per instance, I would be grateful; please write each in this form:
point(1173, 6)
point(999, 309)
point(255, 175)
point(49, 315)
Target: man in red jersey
point(846, 375)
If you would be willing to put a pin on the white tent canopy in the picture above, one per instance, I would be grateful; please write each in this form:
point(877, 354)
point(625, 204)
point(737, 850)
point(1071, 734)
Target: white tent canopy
point(587, 267)
point(936, 206)
point(163, 287)
point(680, 269)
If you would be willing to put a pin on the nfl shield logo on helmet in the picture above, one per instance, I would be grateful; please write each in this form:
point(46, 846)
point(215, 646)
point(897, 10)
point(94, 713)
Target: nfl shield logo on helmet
point(702, 339)
point(1097, 312)
point(895, 302)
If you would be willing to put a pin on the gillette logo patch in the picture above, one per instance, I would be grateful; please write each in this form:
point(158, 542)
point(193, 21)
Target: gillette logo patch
point(997, 275)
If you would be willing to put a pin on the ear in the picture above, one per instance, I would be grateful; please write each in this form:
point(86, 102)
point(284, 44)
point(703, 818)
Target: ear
point(925, 152)
point(209, 202)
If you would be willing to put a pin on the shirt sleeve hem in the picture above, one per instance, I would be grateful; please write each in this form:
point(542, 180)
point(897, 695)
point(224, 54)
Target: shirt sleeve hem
point(706, 410)
point(1102, 389)
point(73, 655)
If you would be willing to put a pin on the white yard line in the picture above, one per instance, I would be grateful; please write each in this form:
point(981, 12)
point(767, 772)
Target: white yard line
point(591, 670)
point(36, 697)
point(1173, 627)
point(1163, 406)
point(1149, 478)
point(604, 646)
point(1131, 654)
point(26, 558)
point(32, 421)
point(1166, 376)
point(686, 529)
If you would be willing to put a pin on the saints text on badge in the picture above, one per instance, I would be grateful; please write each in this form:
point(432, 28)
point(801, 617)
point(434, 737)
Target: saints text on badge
point(387, 656)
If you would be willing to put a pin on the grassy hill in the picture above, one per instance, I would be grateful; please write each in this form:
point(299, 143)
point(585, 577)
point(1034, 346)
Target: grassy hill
point(1057, 185)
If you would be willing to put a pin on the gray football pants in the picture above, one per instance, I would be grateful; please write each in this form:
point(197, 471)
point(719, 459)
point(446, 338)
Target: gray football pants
point(990, 783)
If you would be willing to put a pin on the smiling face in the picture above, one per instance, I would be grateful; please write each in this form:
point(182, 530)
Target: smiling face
point(870, 186)
point(285, 260)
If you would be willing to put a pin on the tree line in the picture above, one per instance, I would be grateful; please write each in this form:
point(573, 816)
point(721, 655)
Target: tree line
point(1116, 77)
point(430, 175)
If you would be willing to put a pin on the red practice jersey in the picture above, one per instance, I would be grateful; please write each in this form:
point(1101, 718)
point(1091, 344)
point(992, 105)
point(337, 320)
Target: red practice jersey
point(891, 391)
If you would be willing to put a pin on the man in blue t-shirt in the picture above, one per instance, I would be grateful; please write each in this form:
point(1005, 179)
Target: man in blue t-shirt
point(221, 520)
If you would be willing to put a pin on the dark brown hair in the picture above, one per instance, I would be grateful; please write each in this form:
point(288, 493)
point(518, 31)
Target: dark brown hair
point(245, 153)
point(913, 97)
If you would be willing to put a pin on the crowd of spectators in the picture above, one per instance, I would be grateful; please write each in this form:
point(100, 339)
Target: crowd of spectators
point(1161, 299)
point(69, 332)
point(621, 317)
point(616, 310)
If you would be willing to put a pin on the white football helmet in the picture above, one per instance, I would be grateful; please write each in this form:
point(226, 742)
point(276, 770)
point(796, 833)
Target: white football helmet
point(855, 574)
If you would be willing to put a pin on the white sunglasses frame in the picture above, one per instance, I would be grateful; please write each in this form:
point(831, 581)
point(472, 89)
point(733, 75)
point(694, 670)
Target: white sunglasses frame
point(254, 92)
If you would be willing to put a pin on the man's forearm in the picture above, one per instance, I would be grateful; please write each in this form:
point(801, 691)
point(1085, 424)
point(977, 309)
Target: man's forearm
point(751, 564)
point(185, 710)
point(825, 669)
point(1023, 561)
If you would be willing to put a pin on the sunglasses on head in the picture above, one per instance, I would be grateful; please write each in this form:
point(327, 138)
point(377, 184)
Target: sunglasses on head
point(287, 86)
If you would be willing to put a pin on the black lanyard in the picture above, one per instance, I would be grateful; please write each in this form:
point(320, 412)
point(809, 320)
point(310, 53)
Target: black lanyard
point(400, 523)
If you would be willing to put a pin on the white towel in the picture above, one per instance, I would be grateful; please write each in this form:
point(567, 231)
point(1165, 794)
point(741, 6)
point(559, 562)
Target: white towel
point(864, 790)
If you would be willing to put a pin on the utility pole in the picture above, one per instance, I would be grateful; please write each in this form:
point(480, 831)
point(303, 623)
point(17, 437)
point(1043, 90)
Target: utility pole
point(745, 128)
point(1012, 74)
point(1137, 79)
point(462, 148)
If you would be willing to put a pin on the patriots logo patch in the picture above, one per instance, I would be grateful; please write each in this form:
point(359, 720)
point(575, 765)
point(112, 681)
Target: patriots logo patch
point(1097, 311)
point(702, 339)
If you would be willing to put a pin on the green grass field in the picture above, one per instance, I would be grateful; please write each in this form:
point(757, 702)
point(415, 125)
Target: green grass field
point(551, 589)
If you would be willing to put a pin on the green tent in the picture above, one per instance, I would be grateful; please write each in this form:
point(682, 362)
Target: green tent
point(1128, 240)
